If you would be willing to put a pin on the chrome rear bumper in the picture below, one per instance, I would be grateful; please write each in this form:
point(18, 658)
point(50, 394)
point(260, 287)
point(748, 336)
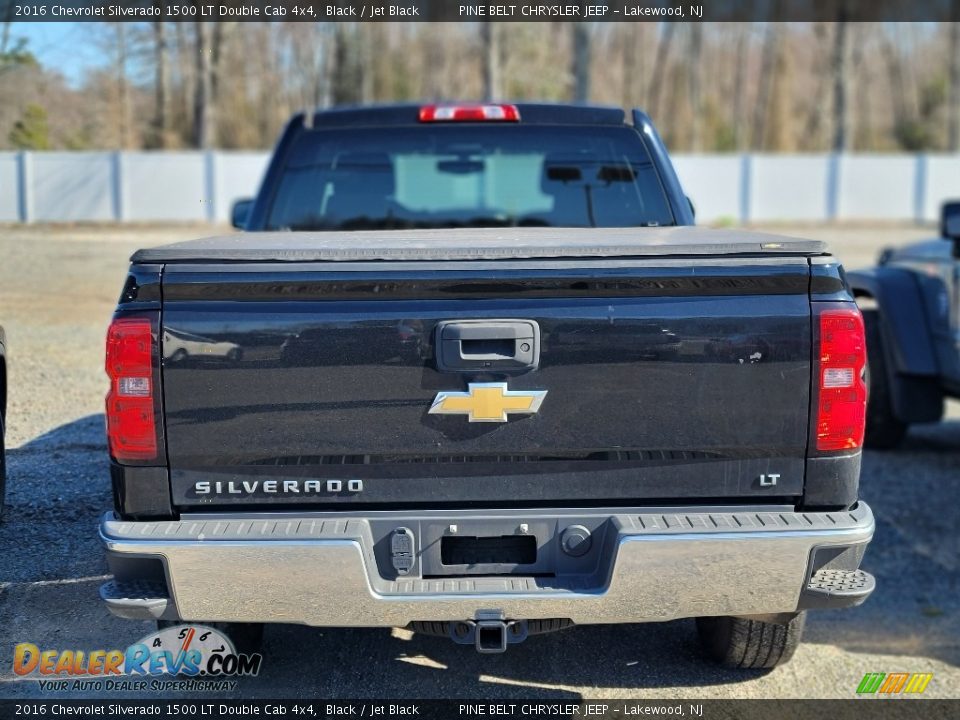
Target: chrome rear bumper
point(323, 569)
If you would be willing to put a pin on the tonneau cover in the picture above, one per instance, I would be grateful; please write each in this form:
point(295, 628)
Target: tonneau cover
point(476, 244)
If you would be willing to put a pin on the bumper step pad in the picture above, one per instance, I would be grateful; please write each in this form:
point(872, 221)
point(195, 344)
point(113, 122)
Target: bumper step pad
point(837, 589)
point(135, 599)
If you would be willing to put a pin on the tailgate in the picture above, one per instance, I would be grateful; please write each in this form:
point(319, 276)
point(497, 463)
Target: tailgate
point(665, 380)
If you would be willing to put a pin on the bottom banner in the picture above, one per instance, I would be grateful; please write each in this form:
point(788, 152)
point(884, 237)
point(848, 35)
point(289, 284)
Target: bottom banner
point(471, 709)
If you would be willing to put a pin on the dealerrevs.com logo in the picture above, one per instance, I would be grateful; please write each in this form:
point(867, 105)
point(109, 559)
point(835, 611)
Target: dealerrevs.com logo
point(199, 657)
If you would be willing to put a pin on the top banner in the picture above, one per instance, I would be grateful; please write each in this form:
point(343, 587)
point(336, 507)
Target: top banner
point(472, 11)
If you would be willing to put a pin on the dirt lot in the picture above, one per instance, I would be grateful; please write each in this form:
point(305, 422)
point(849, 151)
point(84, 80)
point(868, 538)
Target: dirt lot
point(57, 289)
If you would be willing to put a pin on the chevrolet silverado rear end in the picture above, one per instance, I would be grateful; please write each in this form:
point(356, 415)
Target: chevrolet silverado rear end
point(482, 382)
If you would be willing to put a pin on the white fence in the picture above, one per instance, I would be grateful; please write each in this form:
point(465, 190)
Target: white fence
point(201, 187)
point(126, 186)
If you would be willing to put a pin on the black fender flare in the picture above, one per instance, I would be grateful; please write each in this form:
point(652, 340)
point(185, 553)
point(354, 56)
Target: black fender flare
point(3, 378)
point(908, 345)
point(904, 320)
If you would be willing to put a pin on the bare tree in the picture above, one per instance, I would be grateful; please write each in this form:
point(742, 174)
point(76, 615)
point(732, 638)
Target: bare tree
point(580, 67)
point(779, 135)
point(492, 61)
point(953, 110)
point(768, 68)
point(161, 124)
point(695, 73)
point(211, 40)
point(325, 80)
point(659, 71)
point(7, 22)
point(820, 96)
point(219, 40)
point(203, 107)
point(187, 80)
point(776, 86)
point(434, 76)
point(861, 119)
point(741, 126)
point(123, 94)
point(381, 62)
point(628, 66)
point(339, 74)
point(367, 54)
point(841, 81)
point(310, 46)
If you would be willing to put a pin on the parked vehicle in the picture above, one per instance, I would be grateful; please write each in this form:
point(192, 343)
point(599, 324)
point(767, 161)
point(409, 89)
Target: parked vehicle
point(3, 418)
point(187, 346)
point(509, 389)
point(911, 310)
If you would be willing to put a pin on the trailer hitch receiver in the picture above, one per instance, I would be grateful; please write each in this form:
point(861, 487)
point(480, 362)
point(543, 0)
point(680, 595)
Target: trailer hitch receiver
point(489, 632)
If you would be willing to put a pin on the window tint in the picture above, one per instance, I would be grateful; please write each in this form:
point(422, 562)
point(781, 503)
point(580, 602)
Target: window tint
point(450, 176)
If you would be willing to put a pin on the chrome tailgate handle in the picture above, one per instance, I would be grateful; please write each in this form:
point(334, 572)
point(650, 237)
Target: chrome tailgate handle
point(479, 345)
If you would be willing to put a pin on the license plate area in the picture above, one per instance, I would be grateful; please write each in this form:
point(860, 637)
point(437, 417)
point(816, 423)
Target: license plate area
point(491, 547)
point(459, 550)
point(523, 545)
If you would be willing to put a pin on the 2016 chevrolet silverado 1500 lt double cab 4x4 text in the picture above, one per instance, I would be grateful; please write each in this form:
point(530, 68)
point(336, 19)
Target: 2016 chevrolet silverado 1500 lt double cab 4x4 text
point(487, 382)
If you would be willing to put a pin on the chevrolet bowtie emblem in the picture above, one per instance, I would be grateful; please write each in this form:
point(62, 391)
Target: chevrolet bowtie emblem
point(487, 402)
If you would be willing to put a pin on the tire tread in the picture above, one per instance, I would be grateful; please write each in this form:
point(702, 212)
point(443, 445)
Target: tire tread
point(750, 644)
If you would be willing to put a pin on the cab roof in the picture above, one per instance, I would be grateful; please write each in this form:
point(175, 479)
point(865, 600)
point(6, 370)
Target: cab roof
point(409, 114)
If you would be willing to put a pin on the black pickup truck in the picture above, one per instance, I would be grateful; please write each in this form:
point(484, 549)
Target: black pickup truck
point(472, 372)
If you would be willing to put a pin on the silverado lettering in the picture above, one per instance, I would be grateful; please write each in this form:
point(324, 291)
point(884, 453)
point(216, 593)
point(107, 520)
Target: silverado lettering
point(251, 487)
point(473, 371)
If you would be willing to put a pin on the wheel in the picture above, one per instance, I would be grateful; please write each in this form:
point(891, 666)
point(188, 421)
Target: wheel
point(179, 355)
point(750, 644)
point(247, 638)
point(884, 429)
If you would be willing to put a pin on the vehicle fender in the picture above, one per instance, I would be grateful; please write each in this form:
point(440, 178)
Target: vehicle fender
point(3, 374)
point(906, 331)
point(908, 343)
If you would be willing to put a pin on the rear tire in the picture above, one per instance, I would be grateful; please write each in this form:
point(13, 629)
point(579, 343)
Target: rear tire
point(750, 644)
point(247, 638)
point(884, 429)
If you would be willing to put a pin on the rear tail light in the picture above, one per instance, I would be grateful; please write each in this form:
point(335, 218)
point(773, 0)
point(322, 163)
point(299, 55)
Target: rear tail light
point(131, 428)
point(842, 392)
point(469, 113)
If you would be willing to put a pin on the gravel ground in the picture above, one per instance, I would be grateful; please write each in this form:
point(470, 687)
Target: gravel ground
point(57, 290)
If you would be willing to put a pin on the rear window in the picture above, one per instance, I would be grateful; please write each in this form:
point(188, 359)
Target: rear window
point(468, 176)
